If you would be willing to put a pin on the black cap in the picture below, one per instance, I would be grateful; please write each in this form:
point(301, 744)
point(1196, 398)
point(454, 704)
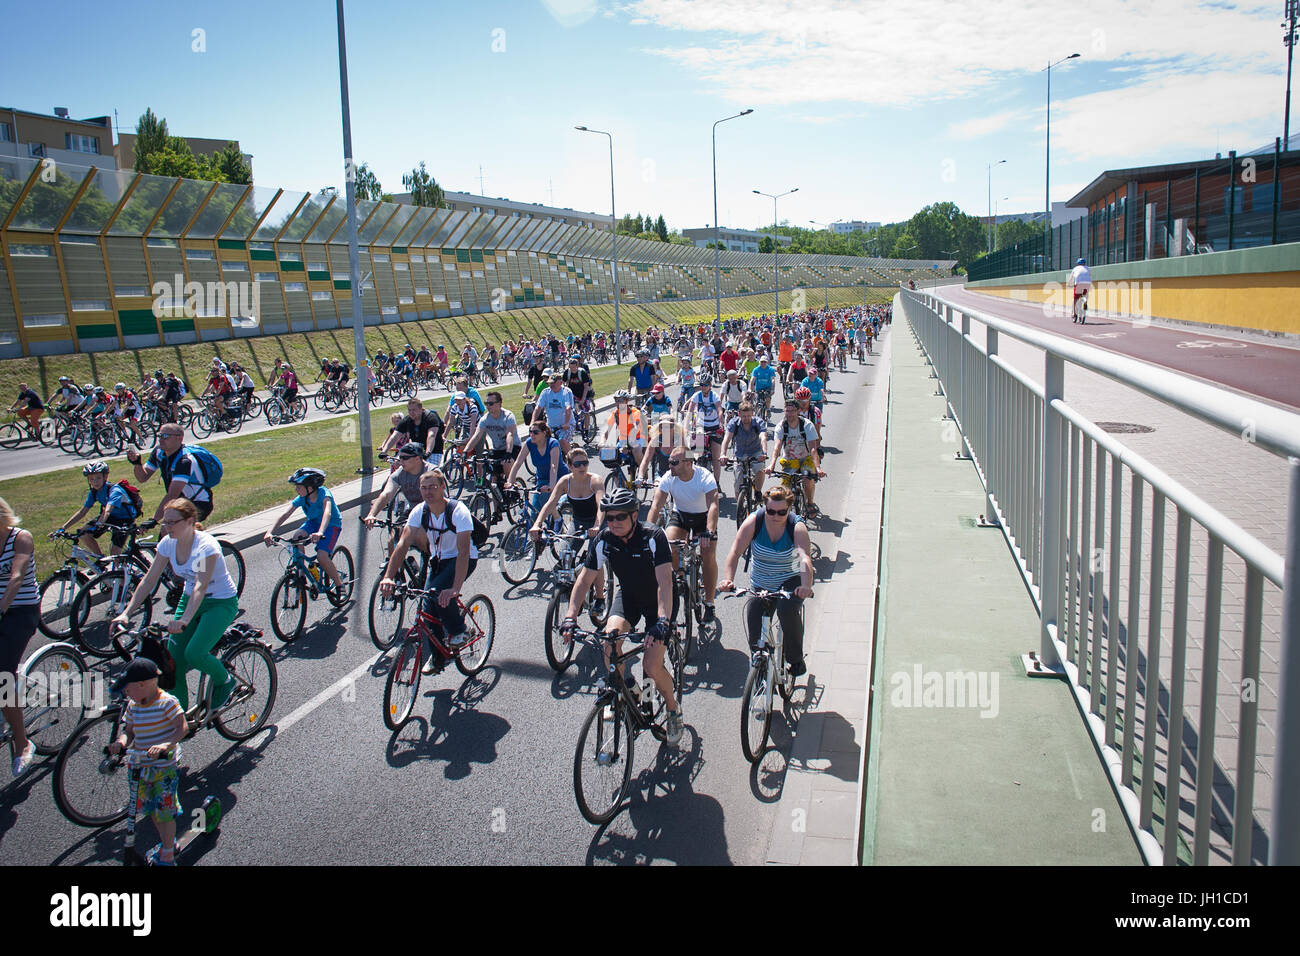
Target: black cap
point(411, 450)
point(139, 669)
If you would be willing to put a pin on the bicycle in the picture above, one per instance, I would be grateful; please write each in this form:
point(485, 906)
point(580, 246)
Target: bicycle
point(559, 650)
point(1081, 309)
point(17, 430)
point(60, 588)
point(88, 779)
point(386, 613)
point(487, 501)
point(277, 409)
point(518, 550)
point(602, 760)
point(794, 481)
point(768, 671)
point(217, 417)
point(53, 697)
point(746, 497)
point(688, 588)
point(403, 685)
point(303, 580)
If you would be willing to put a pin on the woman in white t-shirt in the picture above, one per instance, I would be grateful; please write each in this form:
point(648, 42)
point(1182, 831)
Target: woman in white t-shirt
point(206, 610)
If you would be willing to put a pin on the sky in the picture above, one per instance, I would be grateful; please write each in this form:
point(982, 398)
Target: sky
point(870, 109)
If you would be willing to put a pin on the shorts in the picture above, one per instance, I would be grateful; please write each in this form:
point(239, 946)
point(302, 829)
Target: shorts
point(1079, 294)
point(632, 611)
point(204, 508)
point(159, 793)
point(434, 459)
point(691, 521)
point(562, 434)
point(119, 535)
point(16, 629)
point(807, 465)
point(329, 537)
point(714, 433)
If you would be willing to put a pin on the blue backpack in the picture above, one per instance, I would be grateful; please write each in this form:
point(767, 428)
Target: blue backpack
point(208, 462)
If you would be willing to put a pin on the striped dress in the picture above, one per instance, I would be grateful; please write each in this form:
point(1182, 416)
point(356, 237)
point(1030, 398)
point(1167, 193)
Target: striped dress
point(27, 594)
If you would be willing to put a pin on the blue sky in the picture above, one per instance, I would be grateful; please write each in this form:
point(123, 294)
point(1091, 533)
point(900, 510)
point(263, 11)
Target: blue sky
point(872, 109)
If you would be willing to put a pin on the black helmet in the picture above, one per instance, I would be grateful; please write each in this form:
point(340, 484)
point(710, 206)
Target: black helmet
point(620, 499)
point(313, 478)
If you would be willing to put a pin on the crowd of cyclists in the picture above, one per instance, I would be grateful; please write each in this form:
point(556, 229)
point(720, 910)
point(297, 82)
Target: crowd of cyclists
point(749, 396)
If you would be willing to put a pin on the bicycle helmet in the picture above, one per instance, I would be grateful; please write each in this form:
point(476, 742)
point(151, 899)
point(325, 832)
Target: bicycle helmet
point(99, 389)
point(120, 387)
point(705, 381)
point(802, 392)
point(64, 378)
point(620, 499)
point(642, 351)
point(88, 387)
point(622, 395)
point(95, 468)
point(1081, 262)
point(313, 478)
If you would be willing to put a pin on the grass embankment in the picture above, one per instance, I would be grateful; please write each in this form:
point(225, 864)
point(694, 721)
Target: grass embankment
point(304, 350)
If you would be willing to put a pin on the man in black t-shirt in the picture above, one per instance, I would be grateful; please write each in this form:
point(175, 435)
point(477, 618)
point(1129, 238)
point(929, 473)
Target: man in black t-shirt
point(422, 427)
point(641, 559)
point(32, 408)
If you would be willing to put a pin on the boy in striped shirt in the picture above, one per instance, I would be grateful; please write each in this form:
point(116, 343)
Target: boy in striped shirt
point(154, 727)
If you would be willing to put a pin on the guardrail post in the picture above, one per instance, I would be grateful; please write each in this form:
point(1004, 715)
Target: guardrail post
point(993, 433)
point(1284, 841)
point(941, 346)
point(963, 419)
point(1047, 663)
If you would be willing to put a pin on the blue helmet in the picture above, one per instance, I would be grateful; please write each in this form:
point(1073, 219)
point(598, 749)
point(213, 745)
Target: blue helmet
point(1080, 262)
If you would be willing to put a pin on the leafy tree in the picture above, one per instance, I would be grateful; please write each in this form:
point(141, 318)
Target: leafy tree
point(661, 227)
point(150, 137)
point(424, 189)
point(387, 197)
point(1015, 230)
point(766, 244)
point(367, 184)
point(230, 163)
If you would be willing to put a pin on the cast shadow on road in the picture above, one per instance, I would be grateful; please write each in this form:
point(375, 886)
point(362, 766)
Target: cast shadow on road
point(664, 818)
point(215, 779)
point(767, 776)
point(320, 635)
point(449, 726)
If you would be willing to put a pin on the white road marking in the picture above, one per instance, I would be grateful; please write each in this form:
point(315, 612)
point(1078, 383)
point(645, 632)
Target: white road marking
point(1103, 335)
point(281, 726)
point(1206, 344)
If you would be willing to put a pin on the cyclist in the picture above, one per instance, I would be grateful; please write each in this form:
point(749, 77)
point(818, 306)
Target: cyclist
point(126, 409)
point(763, 381)
point(641, 376)
point(404, 480)
point(809, 411)
point(116, 509)
point(639, 554)
point(244, 383)
point(32, 410)
point(785, 355)
point(468, 359)
point(1081, 281)
point(694, 495)
point(583, 492)
point(748, 434)
point(687, 379)
point(623, 427)
point(499, 430)
point(423, 427)
point(555, 407)
point(462, 419)
point(729, 358)
point(324, 523)
point(183, 473)
point(816, 386)
point(795, 449)
point(578, 381)
point(66, 397)
point(703, 416)
point(20, 610)
point(547, 459)
point(447, 527)
point(206, 609)
point(733, 393)
point(658, 404)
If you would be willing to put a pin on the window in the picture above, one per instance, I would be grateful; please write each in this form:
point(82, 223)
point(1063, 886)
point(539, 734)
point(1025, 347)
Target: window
point(35, 149)
point(340, 276)
point(478, 209)
point(234, 266)
point(401, 267)
point(379, 257)
point(75, 240)
point(162, 243)
point(321, 296)
point(89, 305)
point(200, 254)
point(125, 291)
point(421, 290)
point(82, 144)
point(261, 247)
point(266, 276)
point(44, 321)
point(417, 259)
point(405, 300)
point(317, 267)
point(295, 287)
point(388, 310)
point(291, 257)
point(6, 133)
point(31, 250)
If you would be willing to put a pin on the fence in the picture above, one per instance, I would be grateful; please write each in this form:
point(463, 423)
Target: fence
point(1056, 483)
point(1211, 210)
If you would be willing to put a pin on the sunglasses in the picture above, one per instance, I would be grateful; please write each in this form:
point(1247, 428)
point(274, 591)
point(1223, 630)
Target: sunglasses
point(674, 462)
point(778, 514)
point(579, 463)
point(534, 431)
point(618, 516)
point(490, 402)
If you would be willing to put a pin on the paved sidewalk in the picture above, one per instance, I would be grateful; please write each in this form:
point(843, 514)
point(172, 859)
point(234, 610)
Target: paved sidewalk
point(969, 761)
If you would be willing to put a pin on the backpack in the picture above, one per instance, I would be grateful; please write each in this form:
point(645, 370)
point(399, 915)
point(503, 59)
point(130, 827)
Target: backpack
point(156, 651)
point(208, 463)
point(789, 523)
point(132, 493)
point(478, 536)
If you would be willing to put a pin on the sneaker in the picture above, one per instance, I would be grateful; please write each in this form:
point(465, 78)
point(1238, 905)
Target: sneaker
point(222, 694)
point(597, 609)
point(23, 762)
point(154, 857)
point(458, 640)
point(708, 614)
point(434, 665)
point(674, 737)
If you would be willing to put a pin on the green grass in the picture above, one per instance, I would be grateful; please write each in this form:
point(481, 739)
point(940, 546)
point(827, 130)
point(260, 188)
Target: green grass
point(304, 350)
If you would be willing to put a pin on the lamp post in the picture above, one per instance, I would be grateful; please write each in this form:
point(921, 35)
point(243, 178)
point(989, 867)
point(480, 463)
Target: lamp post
point(613, 221)
point(1289, 41)
point(776, 273)
point(990, 169)
point(995, 221)
point(826, 291)
point(717, 274)
point(1047, 176)
point(354, 259)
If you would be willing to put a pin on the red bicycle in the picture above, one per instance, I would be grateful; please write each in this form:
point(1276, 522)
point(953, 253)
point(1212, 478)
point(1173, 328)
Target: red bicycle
point(403, 686)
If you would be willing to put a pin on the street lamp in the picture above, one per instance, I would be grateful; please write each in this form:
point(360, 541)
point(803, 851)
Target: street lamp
point(826, 293)
point(613, 222)
point(995, 221)
point(717, 275)
point(1289, 41)
point(1047, 177)
point(776, 273)
point(990, 169)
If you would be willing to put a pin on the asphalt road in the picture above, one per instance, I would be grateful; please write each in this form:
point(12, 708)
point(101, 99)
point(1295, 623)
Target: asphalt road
point(1246, 365)
point(483, 772)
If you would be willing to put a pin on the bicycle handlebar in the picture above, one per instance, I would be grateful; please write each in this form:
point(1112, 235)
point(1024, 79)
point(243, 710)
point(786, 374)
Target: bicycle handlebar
point(763, 593)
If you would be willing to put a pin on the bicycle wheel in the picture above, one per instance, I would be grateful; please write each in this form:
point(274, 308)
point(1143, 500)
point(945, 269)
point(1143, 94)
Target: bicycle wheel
point(785, 681)
point(47, 432)
point(559, 652)
point(250, 703)
point(55, 701)
point(689, 610)
point(58, 591)
point(101, 599)
point(90, 786)
point(11, 436)
point(252, 407)
point(454, 470)
point(274, 411)
point(744, 501)
point(234, 565)
point(342, 559)
point(518, 554)
point(202, 425)
point(481, 626)
point(755, 713)
point(386, 615)
point(402, 688)
point(602, 761)
point(108, 441)
point(288, 608)
point(480, 506)
point(184, 415)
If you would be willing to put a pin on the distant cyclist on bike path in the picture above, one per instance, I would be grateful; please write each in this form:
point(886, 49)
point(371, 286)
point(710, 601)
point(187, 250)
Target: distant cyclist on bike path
point(1081, 281)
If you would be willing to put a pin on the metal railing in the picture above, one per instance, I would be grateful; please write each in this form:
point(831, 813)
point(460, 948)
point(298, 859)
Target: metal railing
point(1056, 483)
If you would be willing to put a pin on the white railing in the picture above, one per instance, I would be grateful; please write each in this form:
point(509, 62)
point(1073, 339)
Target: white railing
point(1055, 482)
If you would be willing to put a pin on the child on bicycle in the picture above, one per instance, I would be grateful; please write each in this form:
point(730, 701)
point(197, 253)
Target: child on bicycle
point(154, 726)
point(324, 523)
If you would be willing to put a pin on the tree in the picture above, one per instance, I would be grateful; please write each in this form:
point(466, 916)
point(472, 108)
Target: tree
point(150, 137)
point(1012, 231)
point(661, 227)
point(766, 244)
point(424, 189)
point(230, 162)
point(367, 183)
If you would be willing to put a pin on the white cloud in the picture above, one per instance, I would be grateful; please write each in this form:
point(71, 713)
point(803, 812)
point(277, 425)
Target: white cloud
point(984, 125)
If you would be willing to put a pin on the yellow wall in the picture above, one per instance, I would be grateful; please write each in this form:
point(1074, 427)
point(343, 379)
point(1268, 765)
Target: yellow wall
point(1268, 301)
